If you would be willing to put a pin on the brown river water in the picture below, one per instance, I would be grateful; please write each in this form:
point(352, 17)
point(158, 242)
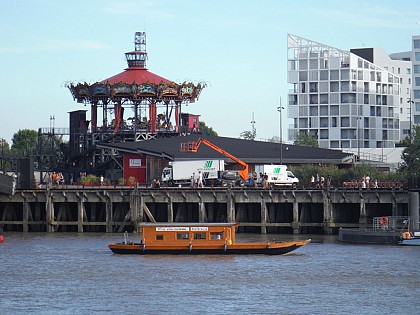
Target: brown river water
point(77, 274)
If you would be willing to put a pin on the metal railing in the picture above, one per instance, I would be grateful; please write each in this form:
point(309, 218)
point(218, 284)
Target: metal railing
point(391, 223)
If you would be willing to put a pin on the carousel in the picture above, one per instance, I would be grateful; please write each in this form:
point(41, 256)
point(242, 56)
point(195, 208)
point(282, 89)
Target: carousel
point(133, 105)
point(136, 101)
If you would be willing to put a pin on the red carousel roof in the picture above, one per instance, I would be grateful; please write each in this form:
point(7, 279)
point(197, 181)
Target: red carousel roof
point(137, 75)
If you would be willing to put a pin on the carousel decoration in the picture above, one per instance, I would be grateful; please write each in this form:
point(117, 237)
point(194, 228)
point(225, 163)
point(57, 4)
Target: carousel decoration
point(155, 101)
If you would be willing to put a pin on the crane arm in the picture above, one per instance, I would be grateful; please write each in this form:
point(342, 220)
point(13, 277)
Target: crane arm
point(193, 147)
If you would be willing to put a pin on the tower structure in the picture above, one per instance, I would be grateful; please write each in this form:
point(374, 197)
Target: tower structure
point(138, 57)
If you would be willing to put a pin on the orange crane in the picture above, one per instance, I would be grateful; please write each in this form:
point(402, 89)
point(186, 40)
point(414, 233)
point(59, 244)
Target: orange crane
point(192, 146)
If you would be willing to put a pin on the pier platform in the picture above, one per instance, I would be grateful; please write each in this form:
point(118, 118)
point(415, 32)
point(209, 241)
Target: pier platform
point(116, 209)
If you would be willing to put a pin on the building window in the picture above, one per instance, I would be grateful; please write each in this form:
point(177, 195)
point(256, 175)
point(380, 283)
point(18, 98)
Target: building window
point(416, 68)
point(417, 119)
point(417, 106)
point(323, 134)
point(313, 111)
point(417, 56)
point(417, 81)
point(408, 71)
point(416, 93)
point(334, 110)
point(159, 237)
point(366, 122)
point(345, 122)
point(416, 43)
point(333, 121)
point(334, 144)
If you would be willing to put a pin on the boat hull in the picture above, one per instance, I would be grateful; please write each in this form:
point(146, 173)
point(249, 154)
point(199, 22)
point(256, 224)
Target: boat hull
point(235, 249)
point(410, 242)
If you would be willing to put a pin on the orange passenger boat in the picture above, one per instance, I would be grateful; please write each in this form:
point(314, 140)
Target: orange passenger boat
point(198, 238)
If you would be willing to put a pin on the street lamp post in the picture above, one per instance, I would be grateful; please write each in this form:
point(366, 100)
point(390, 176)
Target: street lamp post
point(279, 109)
point(358, 131)
point(410, 178)
point(52, 123)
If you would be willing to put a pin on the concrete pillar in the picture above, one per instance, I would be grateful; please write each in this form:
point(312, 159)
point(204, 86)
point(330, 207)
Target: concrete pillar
point(49, 209)
point(295, 223)
point(109, 215)
point(25, 213)
point(134, 206)
point(170, 211)
point(141, 210)
point(362, 217)
point(328, 215)
point(263, 217)
point(202, 212)
point(230, 206)
point(80, 214)
point(413, 209)
point(394, 209)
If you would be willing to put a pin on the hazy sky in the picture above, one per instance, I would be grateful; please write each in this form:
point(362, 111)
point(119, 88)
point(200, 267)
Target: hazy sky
point(238, 47)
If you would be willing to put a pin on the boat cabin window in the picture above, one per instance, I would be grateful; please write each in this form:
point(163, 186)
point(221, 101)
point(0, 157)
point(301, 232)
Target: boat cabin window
point(199, 236)
point(159, 237)
point(216, 236)
point(182, 236)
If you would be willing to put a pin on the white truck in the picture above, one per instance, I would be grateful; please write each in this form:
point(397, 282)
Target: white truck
point(180, 172)
point(278, 175)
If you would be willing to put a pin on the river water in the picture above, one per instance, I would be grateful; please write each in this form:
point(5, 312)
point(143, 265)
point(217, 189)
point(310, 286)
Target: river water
point(77, 274)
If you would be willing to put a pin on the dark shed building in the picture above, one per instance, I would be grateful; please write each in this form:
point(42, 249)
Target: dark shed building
point(145, 160)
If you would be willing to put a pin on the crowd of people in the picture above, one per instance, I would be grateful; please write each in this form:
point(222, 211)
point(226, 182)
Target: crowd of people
point(319, 181)
point(197, 180)
point(56, 180)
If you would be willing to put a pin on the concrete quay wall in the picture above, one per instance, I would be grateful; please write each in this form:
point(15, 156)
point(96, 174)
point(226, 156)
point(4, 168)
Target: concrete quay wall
point(111, 210)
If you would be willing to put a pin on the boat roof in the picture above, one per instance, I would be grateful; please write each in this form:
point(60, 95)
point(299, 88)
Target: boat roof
point(186, 224)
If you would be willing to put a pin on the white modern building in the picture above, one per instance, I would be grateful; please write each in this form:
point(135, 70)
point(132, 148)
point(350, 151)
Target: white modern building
point(400, 65)
point(415, 57)
point(342, 99)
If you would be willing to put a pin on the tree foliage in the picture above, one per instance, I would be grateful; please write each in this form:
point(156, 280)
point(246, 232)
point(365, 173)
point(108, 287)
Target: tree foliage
point(248, 135)
point(410, 167)
point(306, 140)
point(205, 130)
point(338, 176)
point(4, 145)
point(25, 142)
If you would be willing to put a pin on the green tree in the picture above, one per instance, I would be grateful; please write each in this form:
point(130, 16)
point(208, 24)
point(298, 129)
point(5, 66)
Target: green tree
point(4, 155)
point(205, 130)
point(248, 135)
point(306, 140)
point(4, 145)
point(410, 167)
point(337, 175)
point(25, 142)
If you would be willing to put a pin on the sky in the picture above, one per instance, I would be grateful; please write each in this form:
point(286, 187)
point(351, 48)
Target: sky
point(239, 48)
